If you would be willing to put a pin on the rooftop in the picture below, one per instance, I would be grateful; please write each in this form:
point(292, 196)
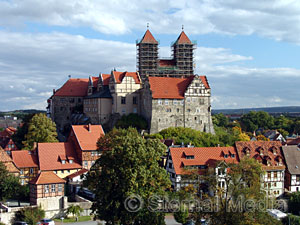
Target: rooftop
point(47, 177)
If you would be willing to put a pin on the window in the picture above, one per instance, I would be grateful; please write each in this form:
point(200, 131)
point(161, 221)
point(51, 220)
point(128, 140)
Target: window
point(79, 100)
point(269, 175)
point(46, 188)
point(188, 99)
point(63, 161)
point(166, 102)
point(159, 101)
point(62, 171)
point(123, 111)
point(31, 170)
point(175, 102)
point(170, 165)
point(298, 178)
point(53, 188)
point(181, 102)
point(134, 100)
point(275, 184)
point(190, 157)
point(22, 182)
point(195, 91)
point(123, 100)
point(134, 110)
point(188, 110)
point(85, 163)
point(92, 163)
point(275, 174)
point(59, 187)
point(21, 171)
point(226, 156)
point(70, 161)
point(178, 110)
point(197, 84)
point(201, 101)
point(168, 110)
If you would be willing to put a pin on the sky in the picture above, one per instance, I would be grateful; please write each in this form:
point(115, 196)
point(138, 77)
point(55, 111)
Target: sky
point(249, 50)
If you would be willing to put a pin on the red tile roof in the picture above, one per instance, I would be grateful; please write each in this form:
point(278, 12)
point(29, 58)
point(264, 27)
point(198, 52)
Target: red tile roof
point(119, 76)
point(105, 79)
point(88, 135)
point(47, 177)
point(208, 156)
point(8, 162)
point(183, 39)
point(25, 159)
point(295, 141)
point(78, 173)
point(49, 156)
point(166, 62)
point(260, 150)
point(73, 87)
point(148, 38)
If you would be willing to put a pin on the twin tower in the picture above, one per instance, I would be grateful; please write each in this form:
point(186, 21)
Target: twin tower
point(181, 63)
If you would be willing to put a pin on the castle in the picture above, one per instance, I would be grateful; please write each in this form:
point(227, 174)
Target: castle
point(166, 92)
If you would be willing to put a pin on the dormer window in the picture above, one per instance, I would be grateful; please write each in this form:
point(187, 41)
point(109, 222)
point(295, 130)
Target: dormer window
point(226, 156)
point(63, 161)
point(190, 157)
point(70, 161)
point(232, 155)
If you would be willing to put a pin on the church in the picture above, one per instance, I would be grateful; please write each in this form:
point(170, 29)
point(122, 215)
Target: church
point(166, 92)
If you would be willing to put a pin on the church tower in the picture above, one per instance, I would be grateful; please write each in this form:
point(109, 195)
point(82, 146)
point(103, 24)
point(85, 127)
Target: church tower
point(183, 53)
point(147, 55)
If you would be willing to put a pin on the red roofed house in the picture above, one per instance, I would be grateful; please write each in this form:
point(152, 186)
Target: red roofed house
point(6, 141)
point(269, 154)
point(84, 139)
point(182, 158)
point(164, 91)
point(60, 158)
point(27, 163)
point(8, 163)
point(47, 191)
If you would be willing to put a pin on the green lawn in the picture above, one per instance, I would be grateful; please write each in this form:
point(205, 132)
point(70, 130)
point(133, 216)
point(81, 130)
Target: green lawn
point(72, 220)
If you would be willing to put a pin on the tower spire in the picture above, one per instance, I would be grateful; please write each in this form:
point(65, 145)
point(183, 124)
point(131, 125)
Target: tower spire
point(182, 28)
point(147, 26)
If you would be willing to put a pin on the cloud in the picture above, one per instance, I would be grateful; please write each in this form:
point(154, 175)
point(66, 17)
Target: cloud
point(278, 19)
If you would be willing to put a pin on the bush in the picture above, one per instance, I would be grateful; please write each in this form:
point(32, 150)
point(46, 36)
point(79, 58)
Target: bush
point(132, 120)
point(31, 215)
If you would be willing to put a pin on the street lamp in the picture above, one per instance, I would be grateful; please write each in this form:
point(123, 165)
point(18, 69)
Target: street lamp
point(62, 220)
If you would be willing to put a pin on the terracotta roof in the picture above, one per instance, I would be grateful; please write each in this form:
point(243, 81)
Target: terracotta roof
point(262, 151)
point(73, 87)
point(148, 38)
point(105, 79)
point(4, 157)
point(295, 141)
point(166, 62)
point(292, 158)
point(47, 177)
point(88, 135)
point(208, 156)
point(78, 173)
point(25, 159)
point(95, 81)
point(8, 162)
point(119, 76)
point(183, 39)
point(49, 156)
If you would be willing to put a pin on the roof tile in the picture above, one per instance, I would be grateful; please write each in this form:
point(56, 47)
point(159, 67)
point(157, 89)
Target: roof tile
point(47, 177)
point(25, 159)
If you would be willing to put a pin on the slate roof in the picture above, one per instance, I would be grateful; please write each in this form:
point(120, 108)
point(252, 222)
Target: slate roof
point(50, 155)
point(88, 135)
point(24, 159)
point(208, 156)
point(292, 158)
point(47, 177)
point(104, 93)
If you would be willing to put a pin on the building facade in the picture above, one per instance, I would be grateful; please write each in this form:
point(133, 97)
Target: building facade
point(166, 92)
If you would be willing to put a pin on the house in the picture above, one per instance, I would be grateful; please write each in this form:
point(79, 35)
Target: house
point(292, 175)
point(274, 135)
point(8, 163)
point(84, 140)
point(293, 141)
point(6, 141)
point(268, 153)
point(47, 191)
point(27, 163)
point(60, 158)
point(201, 158)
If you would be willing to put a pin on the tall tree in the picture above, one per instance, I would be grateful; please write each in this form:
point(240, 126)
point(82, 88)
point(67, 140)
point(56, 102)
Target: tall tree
point(75, 210)
point(128, 166)
point(22, 130)
point(41, 129)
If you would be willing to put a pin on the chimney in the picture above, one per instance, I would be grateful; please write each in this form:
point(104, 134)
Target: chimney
point(53, 91)
point(89, 127)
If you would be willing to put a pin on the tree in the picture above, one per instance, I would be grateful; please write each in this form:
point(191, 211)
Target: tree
point(254, 120)
point(220, 120)
point(182, 215)
point(294, 203)
point(262, 138)
point(41, 129)
point(132, 120)
point(127, 167)
point(75, 210)
point(31, 215)
point(242, 183)
point(22, 130)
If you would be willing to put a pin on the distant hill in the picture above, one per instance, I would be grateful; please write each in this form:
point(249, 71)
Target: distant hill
point(21, 113)
point(272, 110)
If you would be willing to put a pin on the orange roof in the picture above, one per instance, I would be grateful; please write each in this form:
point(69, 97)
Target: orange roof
point(95, 81)
point(78, 173)
point(8, 162)
point(119, 76)
point(260, 150)
point(88, 135)
point(25, 159)
point(148, 38)
point(183, 39)
point(73, 87)
point(208, 156)
point(49, 155)
point(4, 157)
point(105, 79)
point(47, 177)
point(166, 62)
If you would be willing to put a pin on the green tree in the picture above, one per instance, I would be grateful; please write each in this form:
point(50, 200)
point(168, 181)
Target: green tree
point(132, 120)
point(254, 120)
point(220, 120)
point(22, 130)
point(128, 166)
point(75, 210)
point(41, 129)
point(294, 203)
point(283, 122)
point(182, 215)
point(31, 215)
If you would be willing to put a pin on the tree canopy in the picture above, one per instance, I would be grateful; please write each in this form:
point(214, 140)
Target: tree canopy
point(40, 129)
point(132, 120)
point(128, 166)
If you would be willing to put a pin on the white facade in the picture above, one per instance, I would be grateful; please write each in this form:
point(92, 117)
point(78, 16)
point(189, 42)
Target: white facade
point(295, 183)
point(273, 182)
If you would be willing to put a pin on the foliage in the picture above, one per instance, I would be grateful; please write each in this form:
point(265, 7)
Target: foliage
point(22, 130)
point(31, 215)
point(242, 182)
point(262, 138)
point(132, 120)
point(220, 120)
point(10, 186)
point(291, 219)
point(70, 220)
point(75, 210)
point(182, 215)
point(283, 132)
point(294, 203)
point(41, 129)
point(128, 166)
point(254, 120)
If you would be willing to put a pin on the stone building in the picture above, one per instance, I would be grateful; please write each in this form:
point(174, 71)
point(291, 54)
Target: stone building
point(166, 92)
